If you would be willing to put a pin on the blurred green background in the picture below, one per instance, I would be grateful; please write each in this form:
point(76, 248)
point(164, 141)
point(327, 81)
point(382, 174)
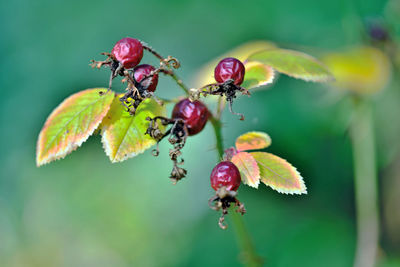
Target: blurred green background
point(85, 211)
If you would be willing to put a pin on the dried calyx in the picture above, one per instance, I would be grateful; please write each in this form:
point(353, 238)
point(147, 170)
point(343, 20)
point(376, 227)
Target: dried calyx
point(229, 75)
point(188, 118)
point(177, 135)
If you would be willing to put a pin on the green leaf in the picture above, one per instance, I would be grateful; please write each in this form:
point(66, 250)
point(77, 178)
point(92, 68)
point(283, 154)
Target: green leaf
point(123, 135)
point(248, 168)
point(278, 174)
point(294, 64)
point(253, 140)
point(71, 123)
point(257, 75)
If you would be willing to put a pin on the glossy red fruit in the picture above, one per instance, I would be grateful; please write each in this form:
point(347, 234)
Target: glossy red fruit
point(195, 114)
point(141, 71)
point(229, 68)
point(128, 52)
point(225, 174)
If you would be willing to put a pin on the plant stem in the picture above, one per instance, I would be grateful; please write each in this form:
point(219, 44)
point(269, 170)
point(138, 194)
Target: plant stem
point(248, 253)
point(218, 136)
point(365, 175)
point(220, 108)
point(169, 101)
point(170, 71)
point(179, 82)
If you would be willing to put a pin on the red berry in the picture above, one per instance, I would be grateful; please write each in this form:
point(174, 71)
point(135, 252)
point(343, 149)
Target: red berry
point(195, 114)
point(229, 68)
point(141, 72)
point(128, 52)
point(225, 174)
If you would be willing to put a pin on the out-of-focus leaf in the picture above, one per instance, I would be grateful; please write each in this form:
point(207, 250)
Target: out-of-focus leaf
point(248, 168)
point(206, 74)
point(123, 135)
point(257, 75)
point(253, 140)
point(279, 174)
point(71, 123)
point(362, 70)
point(294, 64)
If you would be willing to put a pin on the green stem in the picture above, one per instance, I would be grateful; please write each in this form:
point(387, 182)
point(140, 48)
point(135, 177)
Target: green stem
point(249, 254)
point(250, 257)
point(365, 175)
point(170, 72)
point(179, 82)
point(169, 101)
point(218, 136)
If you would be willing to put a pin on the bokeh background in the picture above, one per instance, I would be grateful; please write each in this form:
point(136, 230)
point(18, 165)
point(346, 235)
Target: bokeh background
point(85, 211)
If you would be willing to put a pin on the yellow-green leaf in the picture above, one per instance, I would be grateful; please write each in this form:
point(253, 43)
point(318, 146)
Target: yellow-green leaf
point(206, 74)
point(253, 140)
point(123, 135)
point(294, 64)
point(278, 174)
point(71, 123)
point(362, 70)
point(257, 75)
point(248, 168)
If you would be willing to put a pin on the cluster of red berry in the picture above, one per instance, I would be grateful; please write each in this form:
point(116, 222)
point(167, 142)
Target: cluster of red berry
point(142, 79)
point(188, 116)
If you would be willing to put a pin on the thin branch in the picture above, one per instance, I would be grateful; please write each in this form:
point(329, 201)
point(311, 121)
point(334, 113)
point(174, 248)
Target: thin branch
point(250, 256)
point(218, 136)
point(179, 82)
point(248, 253)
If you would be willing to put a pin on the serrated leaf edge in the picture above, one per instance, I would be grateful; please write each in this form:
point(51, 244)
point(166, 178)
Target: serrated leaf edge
point(303, 188)
point(72, 146)
point(269, 81)
point(108, 151)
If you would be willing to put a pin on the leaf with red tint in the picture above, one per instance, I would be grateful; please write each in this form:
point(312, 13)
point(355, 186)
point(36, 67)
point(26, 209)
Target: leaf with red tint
point(278, 174)
point(248, 168)
point(71, 123)
point(253, 140)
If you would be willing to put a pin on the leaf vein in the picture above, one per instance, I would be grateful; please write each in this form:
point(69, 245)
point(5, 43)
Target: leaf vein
point(67, 123)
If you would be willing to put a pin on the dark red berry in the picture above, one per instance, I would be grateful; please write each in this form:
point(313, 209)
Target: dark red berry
point(128, 52)
point(225, 174)
point(229, 68)
point(141, 71)
point(195, 115)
